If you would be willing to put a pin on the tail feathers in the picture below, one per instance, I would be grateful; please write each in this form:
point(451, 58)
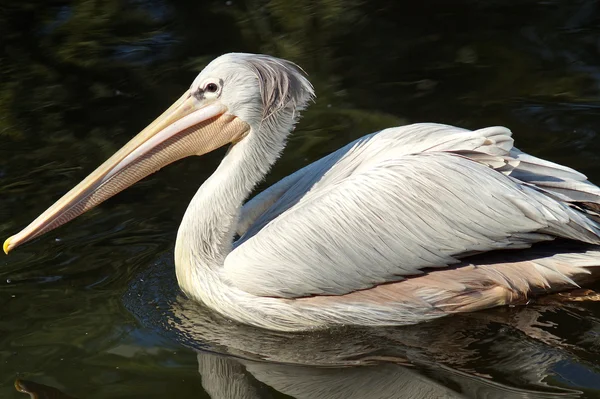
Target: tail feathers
point(541, 167)
point(560, 181)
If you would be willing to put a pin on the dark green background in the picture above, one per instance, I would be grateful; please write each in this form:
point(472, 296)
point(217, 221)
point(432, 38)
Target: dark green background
point(79, 78)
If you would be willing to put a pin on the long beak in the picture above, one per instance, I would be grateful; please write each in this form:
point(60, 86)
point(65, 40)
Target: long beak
point(182, 130)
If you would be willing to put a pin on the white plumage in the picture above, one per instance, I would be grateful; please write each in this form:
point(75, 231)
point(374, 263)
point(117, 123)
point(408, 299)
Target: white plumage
point(392, 204)
point(397, 227)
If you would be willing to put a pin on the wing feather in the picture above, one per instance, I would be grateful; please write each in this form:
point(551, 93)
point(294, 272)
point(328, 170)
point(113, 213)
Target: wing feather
point(396, 202)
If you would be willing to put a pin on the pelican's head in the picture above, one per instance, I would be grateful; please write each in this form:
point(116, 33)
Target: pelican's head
point(231, 100)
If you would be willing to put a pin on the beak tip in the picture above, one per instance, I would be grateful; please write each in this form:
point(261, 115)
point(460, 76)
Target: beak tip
point(7, 245)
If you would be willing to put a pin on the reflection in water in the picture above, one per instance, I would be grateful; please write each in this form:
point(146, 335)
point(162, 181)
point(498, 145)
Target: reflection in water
point(39, 391)
point(78, 77)
point(454, 357)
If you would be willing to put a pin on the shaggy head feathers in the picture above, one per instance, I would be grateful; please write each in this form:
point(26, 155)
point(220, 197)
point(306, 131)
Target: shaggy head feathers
point(258, 86)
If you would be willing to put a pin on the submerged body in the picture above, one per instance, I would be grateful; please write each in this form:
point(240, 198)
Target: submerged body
point(400, 226)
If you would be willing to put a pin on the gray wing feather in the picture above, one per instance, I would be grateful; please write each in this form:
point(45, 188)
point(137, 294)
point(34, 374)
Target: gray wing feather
point(565, 183)
point(413, 139)
point(392, 204)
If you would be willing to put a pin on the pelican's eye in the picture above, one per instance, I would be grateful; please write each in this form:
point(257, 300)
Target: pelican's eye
point(211, 88)
point(208, 90)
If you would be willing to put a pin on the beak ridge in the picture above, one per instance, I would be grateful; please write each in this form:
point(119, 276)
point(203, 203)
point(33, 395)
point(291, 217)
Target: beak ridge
point(181, 131)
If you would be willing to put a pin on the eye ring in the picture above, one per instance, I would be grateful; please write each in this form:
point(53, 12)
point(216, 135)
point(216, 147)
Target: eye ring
point(211, 88)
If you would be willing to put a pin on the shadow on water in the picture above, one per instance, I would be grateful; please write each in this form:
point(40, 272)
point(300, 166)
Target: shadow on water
point(81, 310)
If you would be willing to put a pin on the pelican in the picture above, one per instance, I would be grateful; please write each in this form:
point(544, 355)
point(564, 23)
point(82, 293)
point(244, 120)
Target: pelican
point(401, 226)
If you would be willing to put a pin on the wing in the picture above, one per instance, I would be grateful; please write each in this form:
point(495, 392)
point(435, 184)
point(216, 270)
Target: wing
point(340, 164)
point(397, 202)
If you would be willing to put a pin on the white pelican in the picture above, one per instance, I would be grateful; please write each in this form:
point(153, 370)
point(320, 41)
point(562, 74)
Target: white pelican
point(398, 227)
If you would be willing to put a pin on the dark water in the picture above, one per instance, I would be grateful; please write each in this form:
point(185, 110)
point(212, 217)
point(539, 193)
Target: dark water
point(93, 309)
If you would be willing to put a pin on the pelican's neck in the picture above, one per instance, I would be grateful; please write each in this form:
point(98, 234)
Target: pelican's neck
point(206, 233)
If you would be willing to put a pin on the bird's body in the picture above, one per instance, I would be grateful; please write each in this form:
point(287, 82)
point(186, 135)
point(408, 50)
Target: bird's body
point(400, 226)
point(346, 239)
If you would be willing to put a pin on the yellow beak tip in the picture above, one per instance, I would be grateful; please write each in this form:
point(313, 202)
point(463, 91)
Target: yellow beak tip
point(6, 247)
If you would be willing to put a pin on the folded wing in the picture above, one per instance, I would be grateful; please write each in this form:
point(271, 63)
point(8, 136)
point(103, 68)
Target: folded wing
point(397, 202)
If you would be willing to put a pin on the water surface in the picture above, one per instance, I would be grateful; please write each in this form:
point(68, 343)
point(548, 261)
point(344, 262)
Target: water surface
point(93, 309)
